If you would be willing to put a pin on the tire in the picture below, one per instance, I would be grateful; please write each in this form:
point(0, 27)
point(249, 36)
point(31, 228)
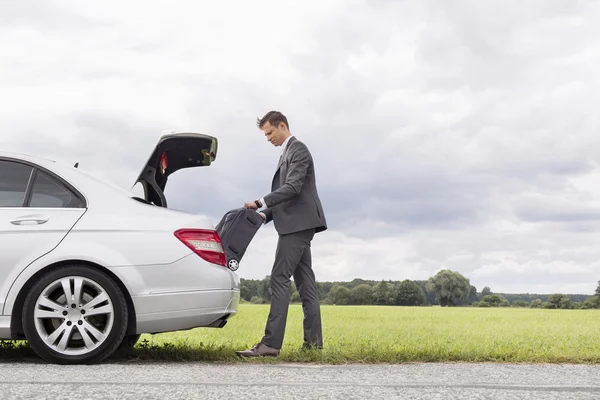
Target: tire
point(103, 324)
point(233, 264)
point(129, 341)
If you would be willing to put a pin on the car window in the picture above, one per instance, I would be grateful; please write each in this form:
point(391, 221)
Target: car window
point(14, 178)
point(49, 193)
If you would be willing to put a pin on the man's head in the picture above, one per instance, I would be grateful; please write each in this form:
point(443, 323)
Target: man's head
point(275, 127)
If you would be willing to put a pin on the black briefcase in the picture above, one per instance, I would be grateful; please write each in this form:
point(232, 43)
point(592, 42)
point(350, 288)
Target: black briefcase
point(237, 229)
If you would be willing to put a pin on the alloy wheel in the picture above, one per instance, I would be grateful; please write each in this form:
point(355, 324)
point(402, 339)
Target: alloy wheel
point(73, 315)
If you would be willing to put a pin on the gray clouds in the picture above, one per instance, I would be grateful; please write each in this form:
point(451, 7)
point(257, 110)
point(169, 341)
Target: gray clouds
point(444, 135)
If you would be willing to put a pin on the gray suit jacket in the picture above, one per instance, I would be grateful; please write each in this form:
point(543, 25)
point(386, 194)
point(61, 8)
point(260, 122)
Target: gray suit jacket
point(293, 204)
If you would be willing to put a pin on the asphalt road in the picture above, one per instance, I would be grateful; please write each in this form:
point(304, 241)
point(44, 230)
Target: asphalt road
point(143, 380)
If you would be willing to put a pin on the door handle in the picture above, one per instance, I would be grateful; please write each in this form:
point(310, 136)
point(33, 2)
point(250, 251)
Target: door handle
point(30, 220)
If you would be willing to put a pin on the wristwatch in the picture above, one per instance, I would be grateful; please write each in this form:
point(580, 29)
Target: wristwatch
point(258, 203)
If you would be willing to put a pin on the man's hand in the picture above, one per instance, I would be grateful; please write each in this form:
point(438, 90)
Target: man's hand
point(251, 205)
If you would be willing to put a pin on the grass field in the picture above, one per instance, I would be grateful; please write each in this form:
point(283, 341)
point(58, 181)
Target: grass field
point(372, 334)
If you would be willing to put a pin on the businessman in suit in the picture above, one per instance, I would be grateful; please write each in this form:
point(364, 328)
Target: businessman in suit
point(296, 211)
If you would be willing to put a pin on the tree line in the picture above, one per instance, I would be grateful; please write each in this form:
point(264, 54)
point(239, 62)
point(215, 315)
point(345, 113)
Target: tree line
point(447, 288)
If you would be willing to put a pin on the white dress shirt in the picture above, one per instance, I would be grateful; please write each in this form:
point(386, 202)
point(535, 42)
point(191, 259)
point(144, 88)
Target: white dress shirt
point(282, 151)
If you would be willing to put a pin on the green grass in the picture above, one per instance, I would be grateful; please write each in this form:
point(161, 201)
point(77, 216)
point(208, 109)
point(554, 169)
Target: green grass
point(371, 334)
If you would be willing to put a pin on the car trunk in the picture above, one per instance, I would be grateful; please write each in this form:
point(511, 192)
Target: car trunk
point(173, 152)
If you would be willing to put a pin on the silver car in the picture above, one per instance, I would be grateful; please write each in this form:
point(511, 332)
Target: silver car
point(86, 266)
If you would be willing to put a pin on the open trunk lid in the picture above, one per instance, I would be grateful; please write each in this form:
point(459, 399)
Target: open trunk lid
point(174, 151)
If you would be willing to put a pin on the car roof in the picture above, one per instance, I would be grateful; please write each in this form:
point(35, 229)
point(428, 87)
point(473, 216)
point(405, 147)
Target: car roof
point(27, 157)
point(91, 186)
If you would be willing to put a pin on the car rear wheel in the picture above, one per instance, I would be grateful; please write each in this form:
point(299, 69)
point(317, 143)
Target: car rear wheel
point(75, 315)
point(129, 341)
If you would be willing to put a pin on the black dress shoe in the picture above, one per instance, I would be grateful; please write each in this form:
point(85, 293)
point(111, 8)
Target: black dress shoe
point(309, 346)
point(259, 350)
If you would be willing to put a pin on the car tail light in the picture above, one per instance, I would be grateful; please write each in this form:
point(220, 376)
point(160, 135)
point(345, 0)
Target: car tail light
point(206, 243)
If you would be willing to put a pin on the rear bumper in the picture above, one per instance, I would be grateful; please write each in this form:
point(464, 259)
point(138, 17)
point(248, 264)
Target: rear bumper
point(189, 293)
point(167, 312)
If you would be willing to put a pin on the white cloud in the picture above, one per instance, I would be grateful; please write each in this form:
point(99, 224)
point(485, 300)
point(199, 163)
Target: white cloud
point(462, 136)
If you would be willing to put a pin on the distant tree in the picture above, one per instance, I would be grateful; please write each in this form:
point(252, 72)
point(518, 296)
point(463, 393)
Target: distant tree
point(294, 295)
point(592, 302)
point(362, 294)
point(410, 293)
point(257, 300)
point(429, 295)
point(473, 295)
point(567, 304)
point(493, 300)
point(339, 295)
point(384, 294)
point(537, 303)
point(486, 291)
point(264, 288)
point(248, 289)
point(597, 292)
point(520, 303)
point(323, 289)
point(355, 282)
point(560, 301)
point(449, 286)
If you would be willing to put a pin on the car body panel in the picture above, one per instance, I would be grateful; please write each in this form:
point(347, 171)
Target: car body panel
point(23, 244)
point(5, 331)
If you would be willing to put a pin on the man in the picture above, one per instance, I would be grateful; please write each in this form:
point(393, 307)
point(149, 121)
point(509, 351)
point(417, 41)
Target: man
point(295, 209)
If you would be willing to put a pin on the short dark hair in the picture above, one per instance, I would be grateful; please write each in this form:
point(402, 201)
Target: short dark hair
point(274, 118)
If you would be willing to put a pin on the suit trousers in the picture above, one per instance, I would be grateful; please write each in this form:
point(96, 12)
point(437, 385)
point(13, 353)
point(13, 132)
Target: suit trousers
point(293, 259)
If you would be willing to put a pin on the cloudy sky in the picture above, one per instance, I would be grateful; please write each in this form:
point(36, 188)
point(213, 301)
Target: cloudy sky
point(460, 135)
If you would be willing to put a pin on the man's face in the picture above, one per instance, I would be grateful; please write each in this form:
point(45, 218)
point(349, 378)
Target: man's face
point(275, 135)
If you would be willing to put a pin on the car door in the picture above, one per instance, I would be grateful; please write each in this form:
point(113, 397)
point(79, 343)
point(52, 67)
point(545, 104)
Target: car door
point(37, 210)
